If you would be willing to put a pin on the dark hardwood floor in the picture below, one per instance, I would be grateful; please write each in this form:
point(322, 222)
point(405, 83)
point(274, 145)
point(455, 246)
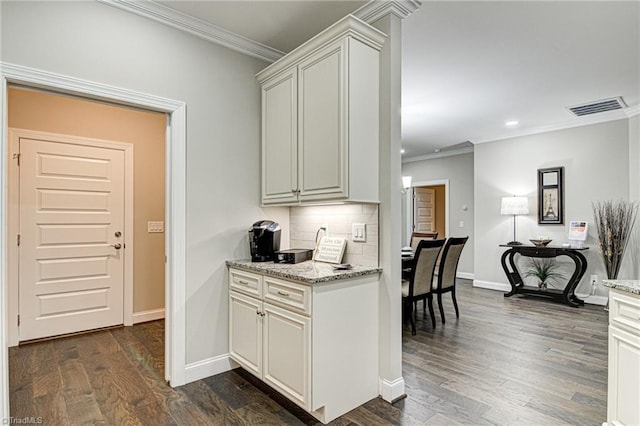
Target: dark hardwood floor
point(513, 361)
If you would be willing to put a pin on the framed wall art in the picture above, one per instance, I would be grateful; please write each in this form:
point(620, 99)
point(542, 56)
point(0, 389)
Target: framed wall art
point(551, 196)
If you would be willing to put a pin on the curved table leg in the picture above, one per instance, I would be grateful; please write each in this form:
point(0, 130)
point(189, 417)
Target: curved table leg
point(581, 268)
point(512, 275)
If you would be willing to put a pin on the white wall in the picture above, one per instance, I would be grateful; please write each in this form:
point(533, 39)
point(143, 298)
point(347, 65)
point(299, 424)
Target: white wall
point(634, 186)
point(458, 169)
point(99, 43)
point(596, 165)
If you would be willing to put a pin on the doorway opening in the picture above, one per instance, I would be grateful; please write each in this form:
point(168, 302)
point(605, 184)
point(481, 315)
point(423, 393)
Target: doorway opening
point(428, 208)
point(78, 199)
point(175, 205)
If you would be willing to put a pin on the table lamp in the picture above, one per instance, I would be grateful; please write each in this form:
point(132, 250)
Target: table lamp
point(514, 206)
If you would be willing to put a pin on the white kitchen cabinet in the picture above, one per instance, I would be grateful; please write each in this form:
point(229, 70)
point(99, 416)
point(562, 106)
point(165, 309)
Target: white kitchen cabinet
point(623, 407)
point(287, 353)
point(317, 344)
point(320, 115)
point(245, 331)
point(279, 138)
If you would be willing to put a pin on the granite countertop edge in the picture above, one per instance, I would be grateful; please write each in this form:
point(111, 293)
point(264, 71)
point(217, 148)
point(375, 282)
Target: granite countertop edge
point(301, 271)
point(629, 286)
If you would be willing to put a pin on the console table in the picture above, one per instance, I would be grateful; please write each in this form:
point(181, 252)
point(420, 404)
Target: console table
point(517, 284)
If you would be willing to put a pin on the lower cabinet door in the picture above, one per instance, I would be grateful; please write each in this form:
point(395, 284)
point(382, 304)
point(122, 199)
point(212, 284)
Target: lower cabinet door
point(245, 331)
point(287, 353)
point(624, 378)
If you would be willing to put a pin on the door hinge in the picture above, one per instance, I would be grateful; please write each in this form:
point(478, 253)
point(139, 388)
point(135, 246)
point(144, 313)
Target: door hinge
point(18, 239)
point(18, 320)
point(17, 157)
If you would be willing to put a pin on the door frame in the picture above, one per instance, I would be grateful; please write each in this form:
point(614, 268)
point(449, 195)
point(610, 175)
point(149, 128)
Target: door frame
point(13, 216)
point(409, 206)
point(175, 205)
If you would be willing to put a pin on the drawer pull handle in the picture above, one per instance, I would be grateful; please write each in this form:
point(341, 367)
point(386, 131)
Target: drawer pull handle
point(243, 282)
point(282, 293)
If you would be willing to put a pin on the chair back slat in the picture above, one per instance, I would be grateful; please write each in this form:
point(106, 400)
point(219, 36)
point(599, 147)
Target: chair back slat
point(424, 266)
point(416, 237)
point(449, 263)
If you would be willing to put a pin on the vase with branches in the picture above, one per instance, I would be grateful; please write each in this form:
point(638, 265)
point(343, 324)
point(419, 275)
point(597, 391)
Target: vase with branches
point(545, 270)
point(614, 222)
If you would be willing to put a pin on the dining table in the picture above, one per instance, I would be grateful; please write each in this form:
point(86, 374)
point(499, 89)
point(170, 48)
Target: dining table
point(408, 260)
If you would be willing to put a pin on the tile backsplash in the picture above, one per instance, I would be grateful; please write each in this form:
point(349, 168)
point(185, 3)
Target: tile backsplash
point(305, 221)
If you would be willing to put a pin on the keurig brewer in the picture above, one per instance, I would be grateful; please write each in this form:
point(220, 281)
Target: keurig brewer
point(264, 240)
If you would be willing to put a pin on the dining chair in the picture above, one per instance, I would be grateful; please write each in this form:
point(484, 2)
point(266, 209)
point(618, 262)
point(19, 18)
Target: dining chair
point(445, 279)
point(416, 237)
point(419, 284)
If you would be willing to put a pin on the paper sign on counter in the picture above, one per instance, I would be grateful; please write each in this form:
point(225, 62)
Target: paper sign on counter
point(330, 250)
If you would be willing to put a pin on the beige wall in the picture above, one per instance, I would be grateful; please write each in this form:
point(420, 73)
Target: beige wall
point(46, 112)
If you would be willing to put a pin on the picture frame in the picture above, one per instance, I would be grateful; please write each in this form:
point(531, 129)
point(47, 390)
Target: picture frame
point(551, 196)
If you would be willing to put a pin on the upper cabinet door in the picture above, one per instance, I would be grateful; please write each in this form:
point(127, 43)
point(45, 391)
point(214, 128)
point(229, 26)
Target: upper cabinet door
point(279, 138)
point(323, 124)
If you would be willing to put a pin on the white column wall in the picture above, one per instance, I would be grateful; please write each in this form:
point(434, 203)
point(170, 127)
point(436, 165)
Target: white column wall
point(390, 315)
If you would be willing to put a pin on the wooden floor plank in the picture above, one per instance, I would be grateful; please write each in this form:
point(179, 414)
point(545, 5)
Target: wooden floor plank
point(505, 361)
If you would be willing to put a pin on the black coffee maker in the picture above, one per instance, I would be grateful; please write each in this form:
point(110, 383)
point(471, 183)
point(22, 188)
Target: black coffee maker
point(264, 240)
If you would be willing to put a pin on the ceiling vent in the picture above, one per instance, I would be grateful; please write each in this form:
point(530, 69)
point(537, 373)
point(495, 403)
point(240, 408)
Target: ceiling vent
point(598, 106)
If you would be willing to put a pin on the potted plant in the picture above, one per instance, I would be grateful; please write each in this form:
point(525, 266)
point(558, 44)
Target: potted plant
point(545, 270)
point(614, 221)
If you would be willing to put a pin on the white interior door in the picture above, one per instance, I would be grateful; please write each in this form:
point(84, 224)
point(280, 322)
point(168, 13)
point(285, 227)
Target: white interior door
point(424, 213)
point(71, 260)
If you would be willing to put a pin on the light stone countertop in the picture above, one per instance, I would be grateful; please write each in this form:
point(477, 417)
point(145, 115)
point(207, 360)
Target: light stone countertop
point(309, 272)
point(630, 286)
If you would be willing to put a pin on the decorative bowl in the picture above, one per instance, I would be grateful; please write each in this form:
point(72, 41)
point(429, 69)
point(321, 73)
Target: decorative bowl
point(540, 243)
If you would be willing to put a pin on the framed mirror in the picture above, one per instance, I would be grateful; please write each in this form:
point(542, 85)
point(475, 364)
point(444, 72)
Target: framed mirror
point(551, 196)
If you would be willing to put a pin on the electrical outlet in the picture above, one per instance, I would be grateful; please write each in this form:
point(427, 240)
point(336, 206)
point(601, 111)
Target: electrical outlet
point(594, 279)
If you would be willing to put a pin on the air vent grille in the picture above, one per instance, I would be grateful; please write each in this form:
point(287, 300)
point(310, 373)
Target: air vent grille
point(598, 106)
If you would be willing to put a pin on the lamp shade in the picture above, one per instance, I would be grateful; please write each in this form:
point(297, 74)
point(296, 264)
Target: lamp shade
point(514, 205)
point(406, 182)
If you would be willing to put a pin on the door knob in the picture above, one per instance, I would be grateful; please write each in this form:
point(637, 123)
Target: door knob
point(118, 234)
point(116, 246)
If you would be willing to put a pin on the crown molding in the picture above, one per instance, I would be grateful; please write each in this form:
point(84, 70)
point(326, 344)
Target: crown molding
point(619, 114)
point(181, 21)
point(347, 26)
point(632, 111)
point(376, 9)
point(441, 154)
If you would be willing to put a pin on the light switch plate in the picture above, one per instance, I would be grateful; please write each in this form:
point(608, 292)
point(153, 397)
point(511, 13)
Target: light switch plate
point(155, 227)
point(359, 232)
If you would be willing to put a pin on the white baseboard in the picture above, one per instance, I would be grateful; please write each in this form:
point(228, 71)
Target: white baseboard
point(208, 367)
point(390, 391)
point(465, 275)
point(491, 285)
point(144, 316)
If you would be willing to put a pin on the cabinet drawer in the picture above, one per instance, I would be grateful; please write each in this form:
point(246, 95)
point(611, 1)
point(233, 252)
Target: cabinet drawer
point(245, 282)
point(288, 294)
point(624, 311)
